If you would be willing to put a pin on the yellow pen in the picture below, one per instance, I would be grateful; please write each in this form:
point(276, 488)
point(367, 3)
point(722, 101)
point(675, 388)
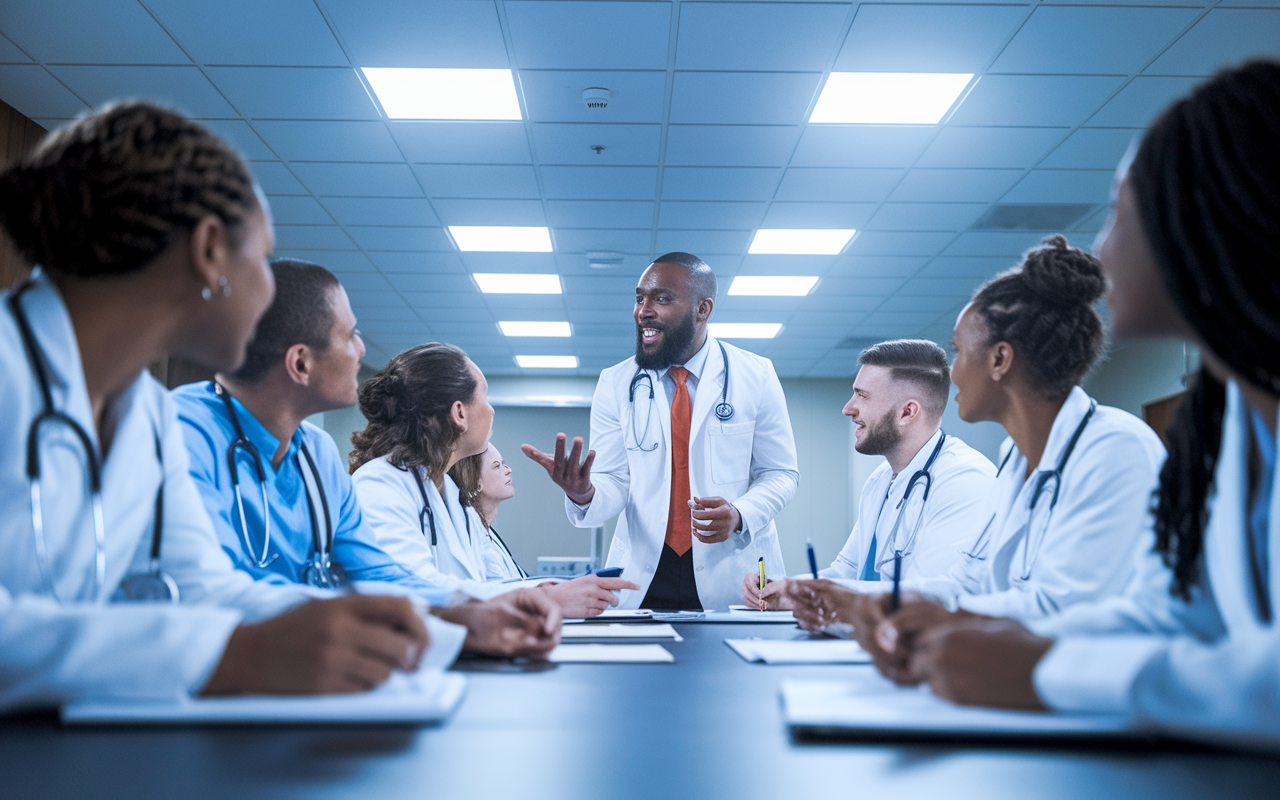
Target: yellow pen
point(762, 582)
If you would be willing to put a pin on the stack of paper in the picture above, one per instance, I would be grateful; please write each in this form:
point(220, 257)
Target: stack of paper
point(611, 654)
point(617, 631)
point(800, 651)
point(617, 615)
point(784, 617)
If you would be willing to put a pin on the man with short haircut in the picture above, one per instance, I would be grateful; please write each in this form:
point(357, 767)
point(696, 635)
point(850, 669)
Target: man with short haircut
point(928, 500)
point(276, 488)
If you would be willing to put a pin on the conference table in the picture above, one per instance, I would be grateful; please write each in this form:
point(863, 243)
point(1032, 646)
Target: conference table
point(707, 726)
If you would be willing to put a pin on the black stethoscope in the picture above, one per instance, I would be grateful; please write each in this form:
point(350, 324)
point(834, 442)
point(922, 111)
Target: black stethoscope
point(921, 477)
point(321, 571)
point(724, 410)
point(427, 522)
point(153, 585)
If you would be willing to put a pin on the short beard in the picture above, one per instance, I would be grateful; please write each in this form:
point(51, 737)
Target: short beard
point(882, 437)
point(675, 341)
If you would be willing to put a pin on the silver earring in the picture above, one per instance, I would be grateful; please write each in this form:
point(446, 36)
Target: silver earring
point(205, 294)
point(226, 288)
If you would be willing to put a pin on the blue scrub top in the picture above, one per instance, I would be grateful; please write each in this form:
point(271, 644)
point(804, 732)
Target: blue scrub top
point(209, 432)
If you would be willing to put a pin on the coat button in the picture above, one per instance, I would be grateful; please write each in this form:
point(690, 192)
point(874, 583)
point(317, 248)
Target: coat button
point(700, 569)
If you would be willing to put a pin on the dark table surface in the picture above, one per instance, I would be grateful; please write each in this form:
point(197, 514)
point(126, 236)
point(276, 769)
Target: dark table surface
point(707, 726)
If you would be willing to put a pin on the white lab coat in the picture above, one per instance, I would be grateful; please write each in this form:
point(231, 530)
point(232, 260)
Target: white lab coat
point(392, 505)
point(499, 564)
point(1027, 565)
point(750, 460)
point(1209, 667)
point(952, 518)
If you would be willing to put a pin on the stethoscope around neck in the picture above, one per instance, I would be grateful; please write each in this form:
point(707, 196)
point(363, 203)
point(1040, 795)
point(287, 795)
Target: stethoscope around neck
point(320, 571)
point(427, 522)
point(150, 586)
point(921, 477)
point(723, 409)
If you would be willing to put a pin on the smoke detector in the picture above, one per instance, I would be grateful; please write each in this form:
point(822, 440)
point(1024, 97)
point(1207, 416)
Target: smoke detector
point(604, 260)
point(596, 97)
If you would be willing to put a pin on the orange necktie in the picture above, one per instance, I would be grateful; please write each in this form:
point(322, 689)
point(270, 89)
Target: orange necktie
point(679, 534)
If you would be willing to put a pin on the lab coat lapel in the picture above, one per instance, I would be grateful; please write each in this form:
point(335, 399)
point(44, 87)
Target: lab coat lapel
point(891, 511)
point(709, 386)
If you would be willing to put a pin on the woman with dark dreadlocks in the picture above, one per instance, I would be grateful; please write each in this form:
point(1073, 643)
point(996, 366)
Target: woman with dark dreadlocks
point(1193, 252)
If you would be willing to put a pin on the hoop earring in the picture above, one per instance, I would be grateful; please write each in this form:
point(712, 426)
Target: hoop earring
point(206, 294)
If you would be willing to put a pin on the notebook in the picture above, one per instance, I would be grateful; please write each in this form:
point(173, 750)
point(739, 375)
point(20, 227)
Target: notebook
point(800, 651)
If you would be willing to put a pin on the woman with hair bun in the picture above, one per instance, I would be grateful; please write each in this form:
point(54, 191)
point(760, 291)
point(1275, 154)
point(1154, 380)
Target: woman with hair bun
point(428, 410)
point(1074, 479)
point(149, 240)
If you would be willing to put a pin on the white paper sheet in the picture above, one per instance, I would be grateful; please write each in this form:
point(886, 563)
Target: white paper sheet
point(426, 696)
point(611, 654)
point(618, 631)
point(784, 617)
point(615, 614)
point(800, 651)
point(870, 704)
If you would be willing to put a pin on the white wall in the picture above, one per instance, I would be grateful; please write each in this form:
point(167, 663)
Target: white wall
point(1139, 372)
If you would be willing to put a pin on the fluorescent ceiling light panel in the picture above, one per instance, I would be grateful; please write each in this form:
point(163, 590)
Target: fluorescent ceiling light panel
point(744, 330)
point(888, 98)
point(800, 241)
point(773, 285)
point(517, 283)
point(547, 362)
point(534, 328)
point(501, 239)
point(412, 93)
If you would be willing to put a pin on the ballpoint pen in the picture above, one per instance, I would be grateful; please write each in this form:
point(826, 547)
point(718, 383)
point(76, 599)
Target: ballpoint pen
point(813, 560)
point(762, 583)
point(895, 599)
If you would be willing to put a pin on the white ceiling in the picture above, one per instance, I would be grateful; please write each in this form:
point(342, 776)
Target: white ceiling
point(705, 140)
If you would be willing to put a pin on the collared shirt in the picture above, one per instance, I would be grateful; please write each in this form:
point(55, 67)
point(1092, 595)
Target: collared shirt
point(209, 432)
point(695, 365)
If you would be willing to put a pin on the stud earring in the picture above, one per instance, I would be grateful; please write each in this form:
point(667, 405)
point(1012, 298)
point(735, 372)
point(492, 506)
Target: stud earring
point(205, 294)
point(226, 287)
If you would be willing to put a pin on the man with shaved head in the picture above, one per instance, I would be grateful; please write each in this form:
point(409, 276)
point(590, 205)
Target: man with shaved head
point(691, 449)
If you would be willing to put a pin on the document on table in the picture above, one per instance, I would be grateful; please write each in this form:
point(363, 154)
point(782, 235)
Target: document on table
point(784, 617)
point(617, 615)
point(619, 631)
point(800, 651)
point(611, 654)
point(423, 697)
point(872, 706)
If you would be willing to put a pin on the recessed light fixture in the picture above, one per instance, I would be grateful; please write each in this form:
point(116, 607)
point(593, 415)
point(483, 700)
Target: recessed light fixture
point(895, 98)
point(547, 362)
point(501, 238)
point(414, 93)
point(517, 283)
point(800, 241)
point(773, 285)
point(534, 328)
point(744, 330)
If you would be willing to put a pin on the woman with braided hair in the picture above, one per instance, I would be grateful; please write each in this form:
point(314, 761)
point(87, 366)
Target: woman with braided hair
point(150, 239)
point(1192, 647)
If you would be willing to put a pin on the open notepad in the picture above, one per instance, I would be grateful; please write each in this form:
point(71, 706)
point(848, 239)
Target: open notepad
point(873, 707)
point(619, 631)
point(611, 654)
point(423, 697)
point(800, 651)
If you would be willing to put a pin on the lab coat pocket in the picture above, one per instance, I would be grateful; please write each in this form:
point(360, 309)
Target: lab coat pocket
point(731, 452)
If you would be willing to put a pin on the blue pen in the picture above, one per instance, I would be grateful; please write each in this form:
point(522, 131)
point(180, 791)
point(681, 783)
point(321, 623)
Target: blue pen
point(813, 560)
point(896, 599)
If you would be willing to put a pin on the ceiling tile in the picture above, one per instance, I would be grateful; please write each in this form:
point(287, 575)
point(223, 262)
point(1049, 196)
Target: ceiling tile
point(742, 98)
point(463, 142)
point(786, 265)
point(408, 211)
point(616, 285)
point(357, 180)
point(1034, 99)
point(990, 147)
point(894, 243)
point(1062, 186)
point(926, 38)
point(347, 262)
point(719, 183)
point(600, 183)
point(556, 96)
point(294, 93)
point(294, 210)
point(563, 143)
point(182, 88)
point(362, 300)
point(10, 54)
point(844, 288)
point(1092, 148)
point(478, 180)
point(425, 301)
point(329, 141)
point(1083, 40)
point(758, 36)
point(600, 214)
point(282, 32)
point(818, 215)
point(241, 137)
point(955, 185)
point(580, 240)
point(431, 282)
point(387, 238)
point(550, 34)
point(730, 145)
point(702, 215)
point(103, 32)
point(950, 287)
point(312, 237)
point(511, 262)
point(921, 304)
point(838, 185)
point(861, 145)
point(993, 244)
point(455, 211)
point(877, 266)
point(35, 93)
point(965, 267)
point(418, 262)
point(703, 243)
point(1226, 36)
point(408, 33)
point(1138, 104)
point(925, 216)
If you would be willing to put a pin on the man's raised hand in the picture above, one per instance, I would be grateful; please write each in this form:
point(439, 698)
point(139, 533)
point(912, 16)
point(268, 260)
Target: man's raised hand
point(573, 477)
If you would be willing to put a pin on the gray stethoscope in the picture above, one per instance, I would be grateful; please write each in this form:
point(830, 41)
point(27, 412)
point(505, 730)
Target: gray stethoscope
point(151, 586)
point(923, 478)
point(427, 522)
point(321, 571)
point(1042, 480)
point(724, 410)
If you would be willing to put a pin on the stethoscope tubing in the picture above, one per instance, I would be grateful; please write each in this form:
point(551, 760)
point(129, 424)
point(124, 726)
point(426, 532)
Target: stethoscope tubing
point(724, 409)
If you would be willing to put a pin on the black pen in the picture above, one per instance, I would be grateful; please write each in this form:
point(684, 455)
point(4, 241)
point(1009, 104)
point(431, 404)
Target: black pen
point(813, 560)
point(895, 599)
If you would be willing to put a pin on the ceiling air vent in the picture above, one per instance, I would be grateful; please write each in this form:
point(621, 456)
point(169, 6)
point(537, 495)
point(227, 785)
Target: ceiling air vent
point(596, 97)
point(1032, 216)
point(604, 260)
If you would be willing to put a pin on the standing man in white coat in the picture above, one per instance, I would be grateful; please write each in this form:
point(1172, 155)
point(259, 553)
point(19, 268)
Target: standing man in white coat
point(930, 496)
point(692, 445)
